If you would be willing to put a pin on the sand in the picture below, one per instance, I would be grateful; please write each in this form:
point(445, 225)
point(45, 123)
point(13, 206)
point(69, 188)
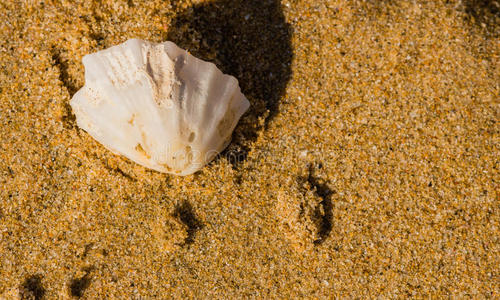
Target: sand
point(368, 164)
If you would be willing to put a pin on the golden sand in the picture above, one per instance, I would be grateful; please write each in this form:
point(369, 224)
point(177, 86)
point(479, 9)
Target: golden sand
point(368, 164)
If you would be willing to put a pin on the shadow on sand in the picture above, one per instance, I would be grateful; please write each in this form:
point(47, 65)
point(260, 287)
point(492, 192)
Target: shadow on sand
point(485, 13)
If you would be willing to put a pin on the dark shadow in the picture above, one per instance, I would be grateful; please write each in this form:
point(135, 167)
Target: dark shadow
point(322, 190)
point(68, 118)
point(485, 14)
point(32, 288)
point(235, 154)
point(184, 212)
point(77, 286)
point(248, 39)
point(63, 66)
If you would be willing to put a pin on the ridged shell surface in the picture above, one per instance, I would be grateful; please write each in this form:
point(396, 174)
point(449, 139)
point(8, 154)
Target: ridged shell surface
point(158, 105)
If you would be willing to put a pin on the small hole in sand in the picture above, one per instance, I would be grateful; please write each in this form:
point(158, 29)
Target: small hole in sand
point(191, 137)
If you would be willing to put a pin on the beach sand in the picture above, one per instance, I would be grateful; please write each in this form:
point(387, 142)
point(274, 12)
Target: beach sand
point(368, 164)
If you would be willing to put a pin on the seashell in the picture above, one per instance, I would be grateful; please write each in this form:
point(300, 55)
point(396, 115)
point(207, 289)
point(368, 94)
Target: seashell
point(158, 105)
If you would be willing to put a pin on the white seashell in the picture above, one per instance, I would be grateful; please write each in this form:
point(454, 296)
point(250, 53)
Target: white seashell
point(158, 105)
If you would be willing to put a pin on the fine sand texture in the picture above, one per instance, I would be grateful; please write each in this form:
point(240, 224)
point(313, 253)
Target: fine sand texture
point(367, 165)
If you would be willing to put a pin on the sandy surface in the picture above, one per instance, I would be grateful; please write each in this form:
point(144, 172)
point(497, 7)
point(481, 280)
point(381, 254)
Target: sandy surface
point(368, 164)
